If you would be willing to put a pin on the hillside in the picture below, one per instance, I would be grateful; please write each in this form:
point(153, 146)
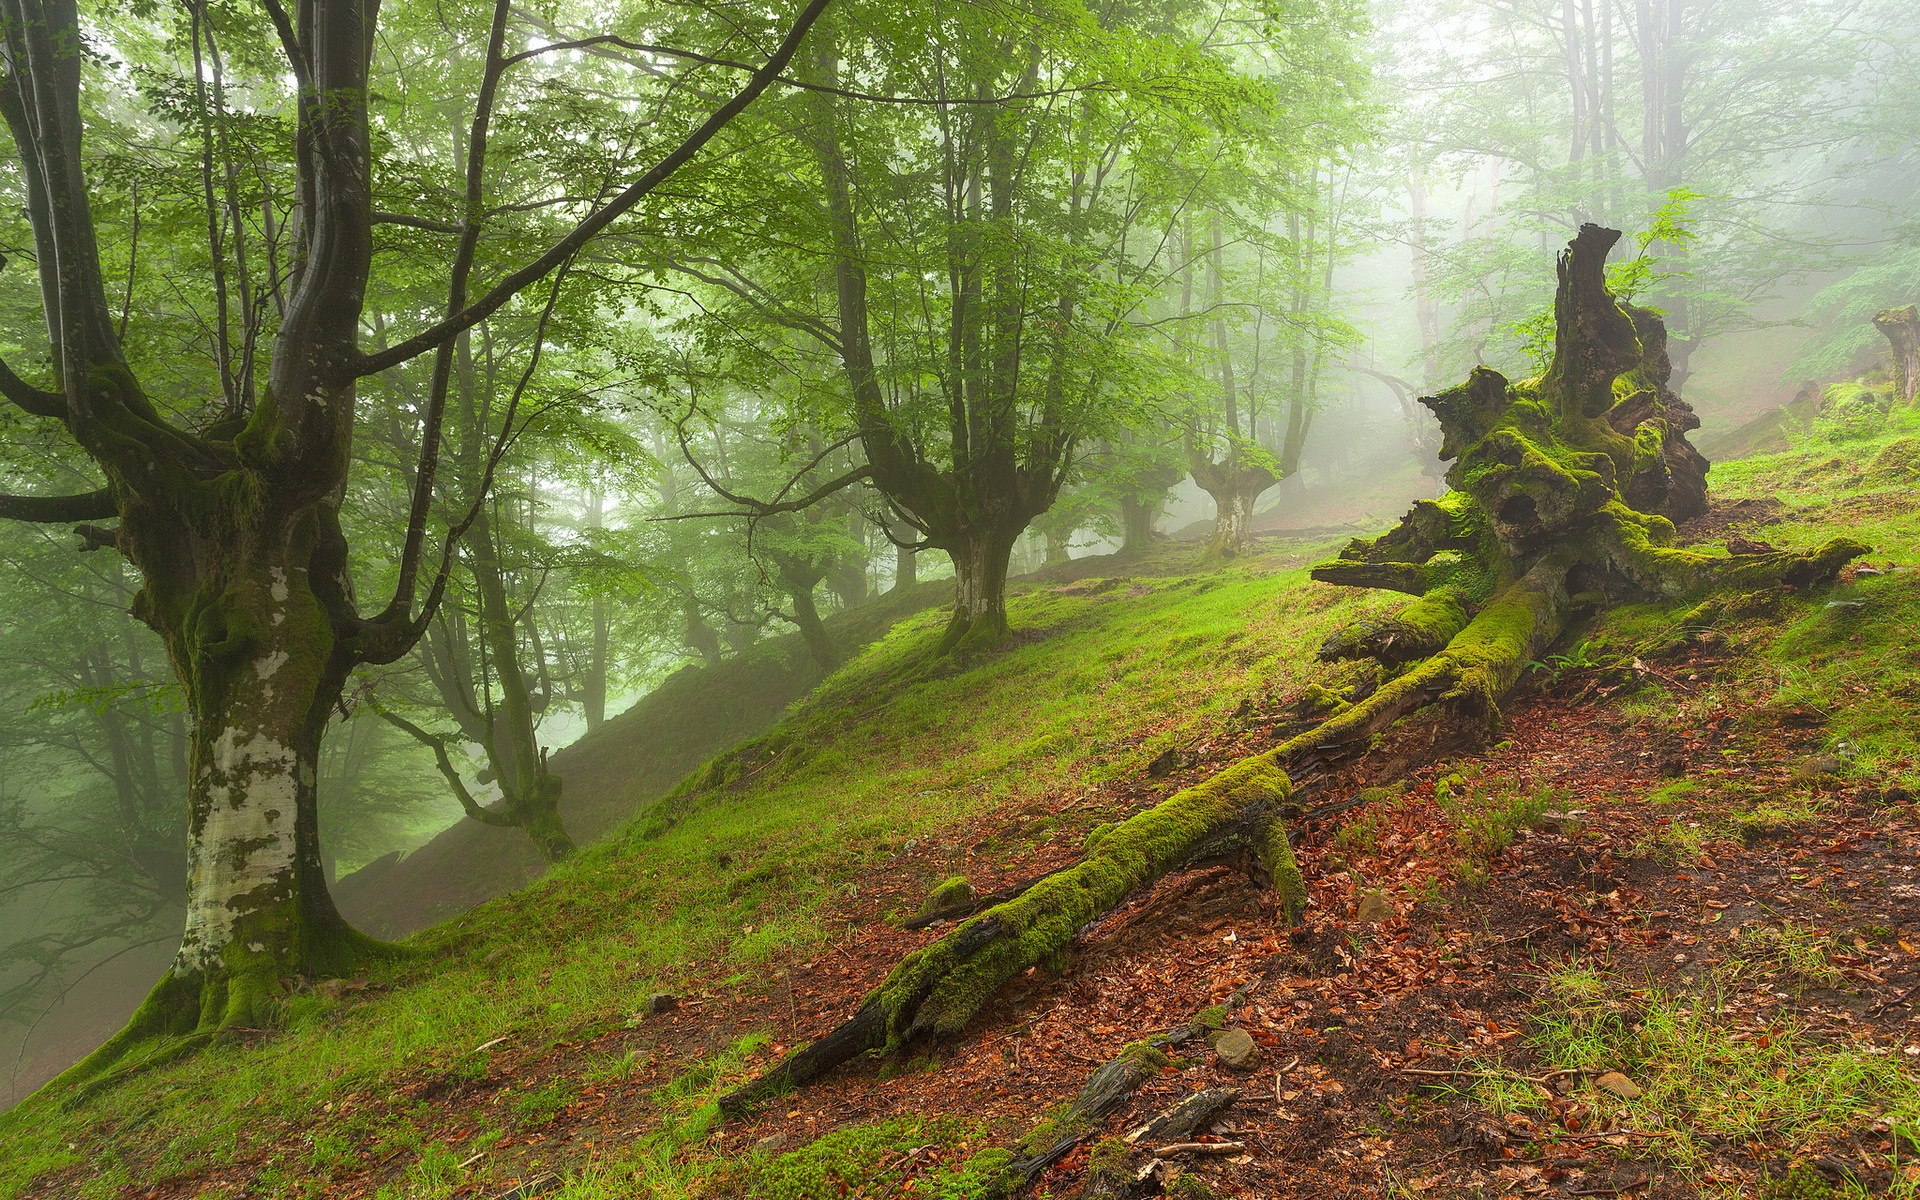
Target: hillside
point(1656, 941)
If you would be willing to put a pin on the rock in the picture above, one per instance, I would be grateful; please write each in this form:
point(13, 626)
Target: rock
point(1374, 908)
point(952, 891)
point(662, 1002)
point(770, 1143)
point(1618, 1084)
point(330, 989)
point(1566, 824)
point(1237, 1050)
point(1817, 765)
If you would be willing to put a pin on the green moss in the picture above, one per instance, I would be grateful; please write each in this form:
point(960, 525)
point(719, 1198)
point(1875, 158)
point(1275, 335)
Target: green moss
point(950, 891)
point(937, 990)
point(846, 1160)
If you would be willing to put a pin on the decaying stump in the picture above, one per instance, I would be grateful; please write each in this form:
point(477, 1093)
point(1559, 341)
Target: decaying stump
point(1565, 490)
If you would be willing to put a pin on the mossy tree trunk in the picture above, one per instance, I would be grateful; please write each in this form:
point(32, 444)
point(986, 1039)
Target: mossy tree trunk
point(1901, 327)
point(1236, 485)
point(233, 522)
point(1540, 525)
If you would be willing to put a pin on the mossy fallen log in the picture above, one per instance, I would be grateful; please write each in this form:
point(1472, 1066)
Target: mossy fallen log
point(937, 989)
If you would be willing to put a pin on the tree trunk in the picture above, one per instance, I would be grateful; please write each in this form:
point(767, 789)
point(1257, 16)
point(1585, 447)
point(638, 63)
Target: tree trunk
point(1137, 515)
point(906, 568)
point(1235, 486)
point(1902, 329)
point(249, 610)
point(530, 792)
point(979, 587)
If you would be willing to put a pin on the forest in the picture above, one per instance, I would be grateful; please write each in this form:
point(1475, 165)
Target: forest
point(773, 599)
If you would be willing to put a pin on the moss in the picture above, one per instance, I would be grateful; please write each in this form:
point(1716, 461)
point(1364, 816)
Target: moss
point(1283, 873)
point(1190, 1187)
point(1097, 834)
point(936, 990)
point(950, 891)
point(1107, 1162)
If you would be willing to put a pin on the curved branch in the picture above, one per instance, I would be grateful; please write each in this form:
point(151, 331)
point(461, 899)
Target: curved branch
point(87, 506)
point(444, 761)
point(566, 247)
point(31, 399)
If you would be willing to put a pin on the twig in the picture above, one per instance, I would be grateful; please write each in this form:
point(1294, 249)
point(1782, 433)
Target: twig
point(1612, 1191)
point(1521, 936)
point(1547, 1078)
point(1199, 1148)
point(1902, 998)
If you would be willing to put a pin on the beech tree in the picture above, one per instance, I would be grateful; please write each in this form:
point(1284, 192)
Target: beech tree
point(972, 217)
point(229, 510)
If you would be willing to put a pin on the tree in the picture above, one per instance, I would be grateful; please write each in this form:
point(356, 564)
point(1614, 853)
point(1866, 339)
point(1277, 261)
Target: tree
point(996, 198)
point(231, 516)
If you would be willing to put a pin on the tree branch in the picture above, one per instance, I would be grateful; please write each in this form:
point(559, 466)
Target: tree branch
point(28, 398)
point(444, 761)
point(87, 506)
point(566, 247)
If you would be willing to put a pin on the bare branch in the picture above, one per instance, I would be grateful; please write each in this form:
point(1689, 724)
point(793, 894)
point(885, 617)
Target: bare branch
point(598, 220)
point(87, 506)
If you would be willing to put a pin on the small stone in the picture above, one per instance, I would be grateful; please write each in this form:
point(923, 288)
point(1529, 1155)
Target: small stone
point(1566, 824)
point(1817, 765)
point(1237, 1050)
point(330, 989)
point(1374, 908)
point(1618, 1084)
point(662, 1002)
point(770, 1143)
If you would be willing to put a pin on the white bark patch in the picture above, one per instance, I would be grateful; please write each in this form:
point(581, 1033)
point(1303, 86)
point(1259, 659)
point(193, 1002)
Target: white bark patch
point(267, 665)
point(278, 587)
point(243, 856)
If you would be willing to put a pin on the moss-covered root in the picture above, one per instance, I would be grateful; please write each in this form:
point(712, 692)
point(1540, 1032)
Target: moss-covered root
point(936, 990)
point(1419, 630)
point(1475, 669)
point(1639, 548)
point(1110, 1087)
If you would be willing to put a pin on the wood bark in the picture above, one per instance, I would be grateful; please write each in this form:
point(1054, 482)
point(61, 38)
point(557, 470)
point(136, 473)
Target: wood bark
point(1901, 327)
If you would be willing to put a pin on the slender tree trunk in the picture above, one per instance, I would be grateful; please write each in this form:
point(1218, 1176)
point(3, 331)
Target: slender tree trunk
point(531, 791)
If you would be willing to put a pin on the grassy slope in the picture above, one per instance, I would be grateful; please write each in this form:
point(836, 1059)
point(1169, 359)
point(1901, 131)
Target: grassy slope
point(1100, 681)
point(631, 760)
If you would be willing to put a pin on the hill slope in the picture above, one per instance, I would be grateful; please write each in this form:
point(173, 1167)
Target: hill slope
point(1702, 978)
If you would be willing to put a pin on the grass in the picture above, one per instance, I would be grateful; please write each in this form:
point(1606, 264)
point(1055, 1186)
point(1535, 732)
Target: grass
point(895, 746)
point(1704, 1080)
point(741, 867)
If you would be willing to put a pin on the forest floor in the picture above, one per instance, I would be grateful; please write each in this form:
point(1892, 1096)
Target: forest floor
point(1661, 940)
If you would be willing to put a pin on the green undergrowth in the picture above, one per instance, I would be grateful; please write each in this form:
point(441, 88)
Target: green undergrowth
point(1706, 1078)
point(898, 747)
